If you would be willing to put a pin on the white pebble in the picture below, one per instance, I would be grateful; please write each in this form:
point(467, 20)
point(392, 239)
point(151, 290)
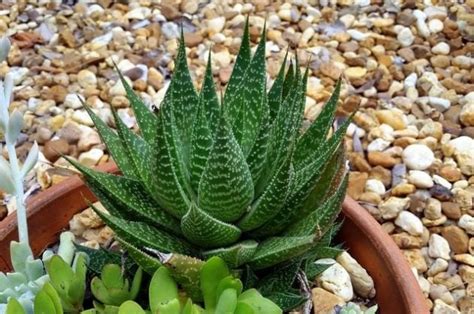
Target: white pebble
point(438, 247)
point(405, 37)
point(442, 181)
point(420, 179)
point(467, 223)
point(409, 222)
point(72, 101)
point(435, 26)
point(91, 158)
point(418, 157)
point(378, 145)
point(374, 185)
point(441, 48)
point(336, 279)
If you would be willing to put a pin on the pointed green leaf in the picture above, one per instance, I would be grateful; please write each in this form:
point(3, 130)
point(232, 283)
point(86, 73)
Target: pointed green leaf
point(258, 154)
point(241, 64)
point(313, 138)
point(168, 185)
point(185, 270)
point(271, 200)
point(289, 80)
point(278, 249)
point(303, 184)
point(202, 229)
point(181, 96)
point(250, 102)
point(226, 187)
point(201, 144)
point(319, 221)
point(114, 145)
point(275, 95)
point(235, 255)
point(142, 234)
point(144, 260)
point(280, 279)
point(288, 300)
point(120, 191)
point(146, 119)
point(208, 97)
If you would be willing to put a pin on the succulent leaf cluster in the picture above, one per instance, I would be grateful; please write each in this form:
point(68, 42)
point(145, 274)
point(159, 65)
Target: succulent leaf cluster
point(223, 293)
point(231, 176)
point(29, 287)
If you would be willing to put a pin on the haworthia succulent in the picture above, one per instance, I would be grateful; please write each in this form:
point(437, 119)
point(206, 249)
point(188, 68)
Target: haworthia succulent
point(226, 187)
point(236, 179)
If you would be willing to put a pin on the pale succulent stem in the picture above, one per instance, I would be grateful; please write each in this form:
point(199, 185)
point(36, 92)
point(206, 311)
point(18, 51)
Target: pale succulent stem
point(19, 193)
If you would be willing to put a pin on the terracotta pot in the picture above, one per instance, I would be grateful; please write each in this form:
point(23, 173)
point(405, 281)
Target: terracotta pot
point(398, 292)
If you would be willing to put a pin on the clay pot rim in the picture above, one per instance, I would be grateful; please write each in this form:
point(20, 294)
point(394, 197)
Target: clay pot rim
point(359, 225)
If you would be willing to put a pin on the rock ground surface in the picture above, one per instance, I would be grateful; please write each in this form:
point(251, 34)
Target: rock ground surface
point(407, 68)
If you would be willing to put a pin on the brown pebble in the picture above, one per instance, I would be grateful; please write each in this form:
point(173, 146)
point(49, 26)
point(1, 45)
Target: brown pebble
point(52, 150)
point(381, 159)
point(450, 173)
point(457, 238)
point(356, 184)
point(452, 210)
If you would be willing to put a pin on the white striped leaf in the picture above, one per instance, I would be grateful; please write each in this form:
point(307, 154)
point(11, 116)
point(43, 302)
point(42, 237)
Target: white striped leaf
point(320, 219)
point(114, 144)
point(181, 97)
point(201, 144)
point(226, 187)
point(235, 255)
point(128, 192)
point(146, 119)
point(313, 138)
point(279, 249)
point(249, 104)
point(144, 235)
point(241, 64)
point(208, 97)
point(302, 185)
point(271, 200)
point(147, 262)
point(202, 229)
point(275, 95)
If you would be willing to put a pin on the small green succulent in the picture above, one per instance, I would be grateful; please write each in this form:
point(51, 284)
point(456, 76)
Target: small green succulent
point(30, 280)
point(69, 281)
point(233, 177)
point(112, 288)
point(222, 294)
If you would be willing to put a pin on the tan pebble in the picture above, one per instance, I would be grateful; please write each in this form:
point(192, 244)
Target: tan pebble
point(381, 159)
point(403, 189)
point(357, 182)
